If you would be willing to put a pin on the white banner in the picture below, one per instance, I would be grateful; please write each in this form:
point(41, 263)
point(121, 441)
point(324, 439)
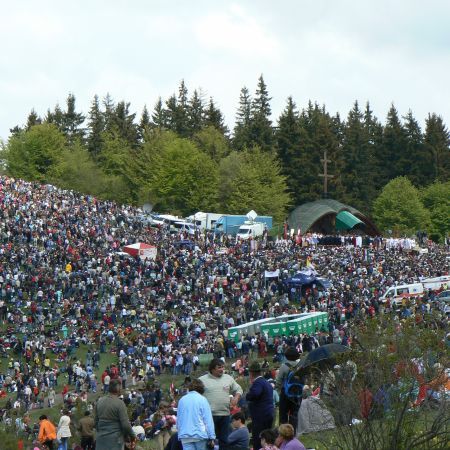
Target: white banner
point(274, 274)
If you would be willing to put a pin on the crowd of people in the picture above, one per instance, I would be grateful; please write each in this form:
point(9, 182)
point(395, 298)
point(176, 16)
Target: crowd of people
point(66, 285)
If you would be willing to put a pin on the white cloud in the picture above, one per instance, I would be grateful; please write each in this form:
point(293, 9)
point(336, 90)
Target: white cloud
point(330, 52)
point(237, 33)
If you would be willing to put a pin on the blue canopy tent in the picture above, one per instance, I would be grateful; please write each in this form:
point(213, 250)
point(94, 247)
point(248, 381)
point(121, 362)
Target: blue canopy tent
point(185, 243)
point(301, 278)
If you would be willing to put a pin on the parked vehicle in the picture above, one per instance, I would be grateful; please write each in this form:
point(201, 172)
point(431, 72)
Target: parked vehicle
point(436, 283)
point(396, 294)
point(229, 224)
point(250, 230)
point(204, 220)
point(180, 226)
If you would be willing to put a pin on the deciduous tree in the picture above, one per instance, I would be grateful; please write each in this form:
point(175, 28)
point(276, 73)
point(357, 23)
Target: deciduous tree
point(400, 209)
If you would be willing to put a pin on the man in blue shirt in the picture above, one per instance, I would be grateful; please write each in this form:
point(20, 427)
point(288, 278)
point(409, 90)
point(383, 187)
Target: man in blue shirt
point(195, 424)
point(260, 398)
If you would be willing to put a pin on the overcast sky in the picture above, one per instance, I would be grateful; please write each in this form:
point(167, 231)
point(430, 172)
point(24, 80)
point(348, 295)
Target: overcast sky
point(332, 52)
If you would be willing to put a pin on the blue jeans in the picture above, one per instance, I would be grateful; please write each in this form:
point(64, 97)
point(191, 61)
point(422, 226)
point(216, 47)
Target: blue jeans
point(200, 445)
point(63, 443)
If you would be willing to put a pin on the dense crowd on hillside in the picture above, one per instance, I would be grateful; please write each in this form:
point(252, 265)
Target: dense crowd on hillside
point(65, 283)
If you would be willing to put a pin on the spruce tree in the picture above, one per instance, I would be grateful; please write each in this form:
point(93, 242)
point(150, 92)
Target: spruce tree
point(144, 123)
point(195, 114)
point(72, 122)
point(32, 120)
point(418, 158)
point(171, 112)
point(123, 124)
point(214, 118)
point(288, 138)
point(181, 118)
point(437, 144)
point(260, 123)
point(242, 129)
point(159, 116)
point(108, 112)
point(356, 169)
point(374, 131)
point(96, 126)
point(393, 159)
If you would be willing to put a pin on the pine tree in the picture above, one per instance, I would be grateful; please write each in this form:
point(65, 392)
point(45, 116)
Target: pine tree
point(418, 159)
point(437, 144)
point(195, 114)
point(108, 112)
point(171, 113)
point(261, 125)
point(374, 131)
point(357, 173)
point(214, 118)
point(288, 138)
point(393, 159)
point(242, 130)
point(144, 123)
point(182, 111)
point(15, 131)
point(96, 126)
point(32, 120)
point(159, 116)
point(123, 124)
point(72, 122)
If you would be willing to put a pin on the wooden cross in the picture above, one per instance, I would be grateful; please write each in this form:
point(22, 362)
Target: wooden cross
point(325, 174)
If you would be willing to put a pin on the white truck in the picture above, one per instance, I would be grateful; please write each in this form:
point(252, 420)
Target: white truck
point(250, 230)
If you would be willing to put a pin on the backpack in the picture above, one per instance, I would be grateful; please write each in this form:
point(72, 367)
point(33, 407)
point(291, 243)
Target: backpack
point(293, 386)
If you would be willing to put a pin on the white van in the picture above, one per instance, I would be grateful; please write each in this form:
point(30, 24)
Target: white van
point(396, 294)
point(181, 226)
point(250, 230)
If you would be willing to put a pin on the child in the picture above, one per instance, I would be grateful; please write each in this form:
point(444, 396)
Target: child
point(268, 439)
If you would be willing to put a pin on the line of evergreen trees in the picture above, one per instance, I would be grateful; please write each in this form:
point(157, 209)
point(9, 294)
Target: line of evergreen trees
point(182, 157)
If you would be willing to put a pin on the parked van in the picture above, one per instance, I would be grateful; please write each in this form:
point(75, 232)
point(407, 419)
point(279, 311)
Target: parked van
point(396, 294)
point(181, 226)
point(250, 230)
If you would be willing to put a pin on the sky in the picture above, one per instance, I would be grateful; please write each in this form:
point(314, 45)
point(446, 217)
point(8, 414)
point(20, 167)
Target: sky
point(329, 52)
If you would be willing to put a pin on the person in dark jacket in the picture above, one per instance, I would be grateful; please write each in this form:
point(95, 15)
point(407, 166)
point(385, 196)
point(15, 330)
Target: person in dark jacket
point(288, 411)
point(260, 398)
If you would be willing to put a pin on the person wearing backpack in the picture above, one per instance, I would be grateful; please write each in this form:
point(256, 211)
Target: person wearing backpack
point(289, 387)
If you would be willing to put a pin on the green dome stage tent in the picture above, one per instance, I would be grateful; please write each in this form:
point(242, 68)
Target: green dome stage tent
point(328, 216)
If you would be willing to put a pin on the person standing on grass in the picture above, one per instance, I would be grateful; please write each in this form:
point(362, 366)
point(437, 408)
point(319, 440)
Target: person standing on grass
point(86, 428)
point(218, 388)
point(111, 420)
point(106, 381)
point(64, 433)
point(47, 432)
point(260, 398)
point(195, 423)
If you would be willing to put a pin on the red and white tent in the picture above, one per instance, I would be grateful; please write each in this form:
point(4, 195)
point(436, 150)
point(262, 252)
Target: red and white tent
point(142, 250)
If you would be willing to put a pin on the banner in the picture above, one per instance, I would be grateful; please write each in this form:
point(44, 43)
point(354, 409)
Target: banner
point(273, 274)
